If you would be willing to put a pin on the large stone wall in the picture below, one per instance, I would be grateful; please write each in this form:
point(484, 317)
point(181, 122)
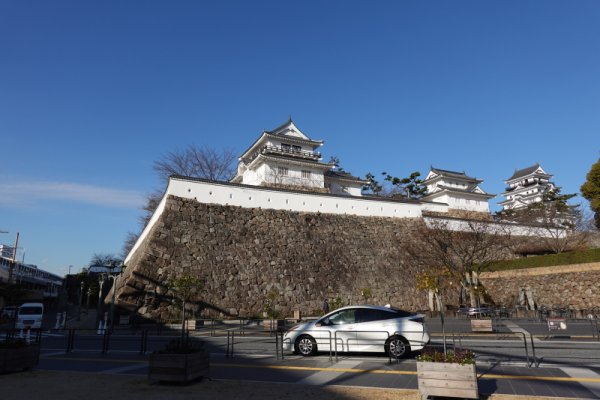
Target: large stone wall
point(576, 285)
point(244, 253)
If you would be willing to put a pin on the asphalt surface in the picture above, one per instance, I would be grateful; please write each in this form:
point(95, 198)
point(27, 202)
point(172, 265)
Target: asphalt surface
point(521, 358)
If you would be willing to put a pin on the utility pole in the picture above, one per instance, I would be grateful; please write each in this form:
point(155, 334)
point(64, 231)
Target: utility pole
point(14, 257)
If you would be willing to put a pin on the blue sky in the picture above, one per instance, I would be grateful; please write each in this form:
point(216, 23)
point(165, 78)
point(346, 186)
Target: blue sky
point(91, 93)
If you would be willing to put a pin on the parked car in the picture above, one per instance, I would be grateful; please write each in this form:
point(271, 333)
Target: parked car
point(361, 329)
point(9, 313)
point(483, 310)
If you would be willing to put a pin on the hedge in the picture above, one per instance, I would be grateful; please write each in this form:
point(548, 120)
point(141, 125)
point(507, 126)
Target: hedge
point(549, 260)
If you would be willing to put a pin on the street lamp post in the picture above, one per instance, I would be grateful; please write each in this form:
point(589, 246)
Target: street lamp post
point(87, 301)
point(104, 277)
point(98, 306)
point(112, 302)
point(80, 300)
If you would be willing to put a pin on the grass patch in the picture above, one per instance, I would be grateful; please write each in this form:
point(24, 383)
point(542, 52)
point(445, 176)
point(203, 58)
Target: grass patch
point(549, 260)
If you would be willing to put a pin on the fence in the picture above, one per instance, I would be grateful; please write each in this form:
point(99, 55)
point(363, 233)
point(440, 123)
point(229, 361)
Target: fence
point(246, 337)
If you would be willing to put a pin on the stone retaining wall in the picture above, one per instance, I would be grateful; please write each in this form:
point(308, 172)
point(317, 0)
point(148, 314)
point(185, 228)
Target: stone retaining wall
point(575, 285)
point(244, 254)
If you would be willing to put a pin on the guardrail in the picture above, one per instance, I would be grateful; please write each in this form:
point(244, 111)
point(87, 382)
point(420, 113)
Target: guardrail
point(529, 361)
point(248, 336)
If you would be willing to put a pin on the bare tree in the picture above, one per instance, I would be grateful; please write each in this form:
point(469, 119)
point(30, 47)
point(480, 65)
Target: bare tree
point(196, 162)
point(553, 225)
point(128, 244)
point(104, 260)
point(465, 248)
point(193, 161)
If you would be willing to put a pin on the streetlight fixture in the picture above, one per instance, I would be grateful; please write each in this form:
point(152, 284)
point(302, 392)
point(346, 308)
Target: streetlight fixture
point(80, 300)
point(104, 277)
point(101, 281)
point(87, 301)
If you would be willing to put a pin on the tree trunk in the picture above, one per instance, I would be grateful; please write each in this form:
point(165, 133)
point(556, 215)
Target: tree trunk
point(183, 323)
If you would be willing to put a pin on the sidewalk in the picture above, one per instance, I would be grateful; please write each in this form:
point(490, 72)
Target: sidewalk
point(95, 386)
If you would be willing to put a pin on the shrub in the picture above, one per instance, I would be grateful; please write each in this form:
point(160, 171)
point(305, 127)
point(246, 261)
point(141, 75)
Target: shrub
point(182, 347)
point(459, 356)
point(336, 303)
point(550, 260)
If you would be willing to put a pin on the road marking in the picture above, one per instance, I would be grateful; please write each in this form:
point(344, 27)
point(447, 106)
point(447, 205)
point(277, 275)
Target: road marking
point(393, 372)
point(119, 370)
point(105, 360)
point(587, 378)
point(325, 376)
point(592, 385)
point(58, 353)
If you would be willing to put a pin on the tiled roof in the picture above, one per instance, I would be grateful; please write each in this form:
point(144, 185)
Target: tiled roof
point(524, 172)
point(470, 189)
point(456, 174)
point(342, 175)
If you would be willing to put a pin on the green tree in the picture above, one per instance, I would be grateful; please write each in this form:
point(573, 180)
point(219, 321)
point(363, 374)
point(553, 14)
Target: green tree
point(410, 187)
point(186, 288)
point(373, 186)
point(591, 191)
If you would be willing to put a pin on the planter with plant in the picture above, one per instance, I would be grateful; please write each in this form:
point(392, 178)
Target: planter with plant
point(450, 374)
point(181, 360)
point(273, 323)
point(17, 355)
point(482, 325)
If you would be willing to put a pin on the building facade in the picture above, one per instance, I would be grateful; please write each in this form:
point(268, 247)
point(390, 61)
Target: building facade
point(526, 186)
point(285, 157)
point(457, 189)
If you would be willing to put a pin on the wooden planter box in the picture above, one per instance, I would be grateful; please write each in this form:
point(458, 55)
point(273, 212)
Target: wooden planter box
point(178, 367)
point(20, 358)
point(447, 380)
point(482, 325)
point(273, 324)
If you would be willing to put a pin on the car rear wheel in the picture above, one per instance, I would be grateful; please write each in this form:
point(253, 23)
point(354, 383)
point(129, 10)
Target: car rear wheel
point(397, 347)
point(305, 346)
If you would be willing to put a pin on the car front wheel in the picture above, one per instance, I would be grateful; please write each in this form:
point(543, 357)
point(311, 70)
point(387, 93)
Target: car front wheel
point(397, 347)
point(305, 346)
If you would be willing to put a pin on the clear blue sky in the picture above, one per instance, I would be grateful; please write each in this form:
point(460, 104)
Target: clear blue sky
point(91, 93)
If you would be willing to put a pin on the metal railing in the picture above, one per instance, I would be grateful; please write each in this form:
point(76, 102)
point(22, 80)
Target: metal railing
point(248, 336)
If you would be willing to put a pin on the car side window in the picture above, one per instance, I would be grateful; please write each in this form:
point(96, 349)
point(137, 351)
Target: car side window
point(343, 317)
point(366, 315)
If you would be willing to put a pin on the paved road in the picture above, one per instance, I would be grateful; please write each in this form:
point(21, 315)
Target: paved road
point(569, 365)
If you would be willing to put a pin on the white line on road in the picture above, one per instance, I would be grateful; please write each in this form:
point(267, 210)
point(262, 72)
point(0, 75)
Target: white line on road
point(324, 377)
point(593, 387)
point(126, 368)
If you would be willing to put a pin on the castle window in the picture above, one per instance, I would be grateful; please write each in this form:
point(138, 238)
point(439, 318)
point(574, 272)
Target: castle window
point(282, 171)
point(296, 149)
point(306, 174)
point(285, 147)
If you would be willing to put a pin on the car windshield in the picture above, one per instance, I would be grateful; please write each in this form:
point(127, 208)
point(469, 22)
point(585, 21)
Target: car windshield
point(30, 310)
